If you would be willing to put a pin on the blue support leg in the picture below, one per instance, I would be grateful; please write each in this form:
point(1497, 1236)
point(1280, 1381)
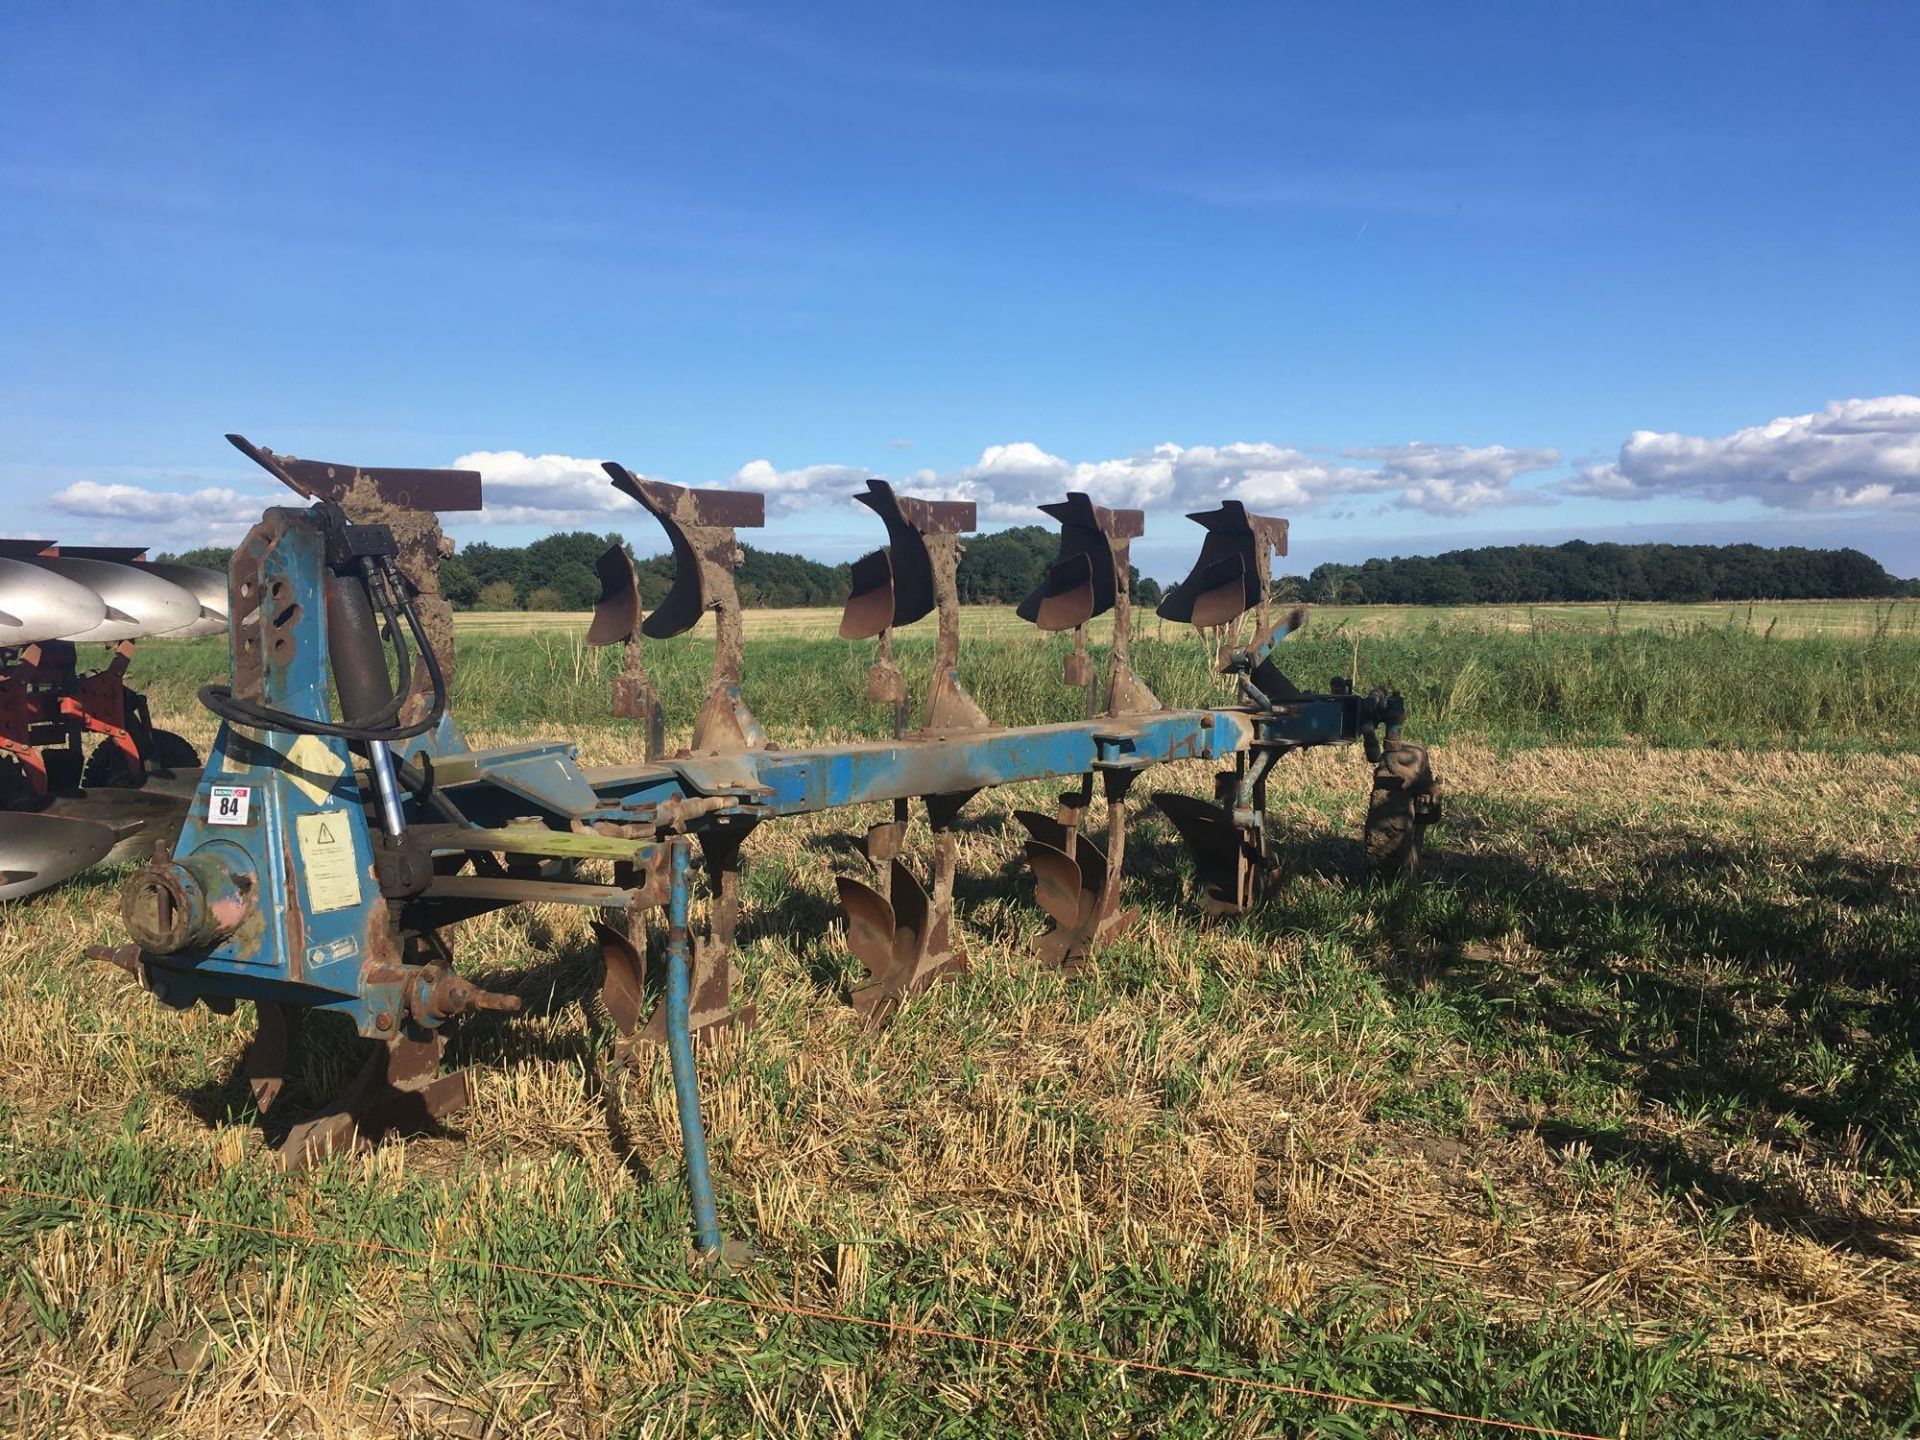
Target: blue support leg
point(686, 1082)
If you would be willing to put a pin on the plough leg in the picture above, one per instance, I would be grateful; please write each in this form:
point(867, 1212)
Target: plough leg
point(1075, 882)
point(712, 972)
point(903, 938)
point(398, 1089)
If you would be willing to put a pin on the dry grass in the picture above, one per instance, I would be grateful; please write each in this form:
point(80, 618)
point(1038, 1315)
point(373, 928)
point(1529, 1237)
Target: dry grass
point(1609, 1066)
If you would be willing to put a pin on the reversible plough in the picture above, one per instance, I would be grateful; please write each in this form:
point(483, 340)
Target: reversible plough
point(54, 600)
point(343, 824)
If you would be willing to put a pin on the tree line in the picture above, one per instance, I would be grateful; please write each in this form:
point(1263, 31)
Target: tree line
point(1583, 571)
point(556, 573)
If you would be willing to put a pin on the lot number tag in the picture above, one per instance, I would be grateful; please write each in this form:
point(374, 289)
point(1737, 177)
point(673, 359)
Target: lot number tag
point(229, 804)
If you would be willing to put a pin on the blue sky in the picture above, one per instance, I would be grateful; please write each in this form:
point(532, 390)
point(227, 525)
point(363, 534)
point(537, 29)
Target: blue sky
point(1412, 275)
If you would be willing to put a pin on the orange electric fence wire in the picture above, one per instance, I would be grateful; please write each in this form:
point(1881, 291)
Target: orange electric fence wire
point(805, 1312)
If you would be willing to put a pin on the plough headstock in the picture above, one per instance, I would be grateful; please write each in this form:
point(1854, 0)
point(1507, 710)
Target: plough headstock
point(243, 923)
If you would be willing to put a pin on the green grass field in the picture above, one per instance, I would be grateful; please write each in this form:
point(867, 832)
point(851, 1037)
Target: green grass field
point(1609, 1121)
point(1784, 619)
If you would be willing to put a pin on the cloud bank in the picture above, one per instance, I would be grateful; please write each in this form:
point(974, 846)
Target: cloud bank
point(1853, 455)
point(1859, 455)
point(1009, 480)
point(158, 519)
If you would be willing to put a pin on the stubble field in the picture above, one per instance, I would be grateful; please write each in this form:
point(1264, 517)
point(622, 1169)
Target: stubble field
point(1609, 1121)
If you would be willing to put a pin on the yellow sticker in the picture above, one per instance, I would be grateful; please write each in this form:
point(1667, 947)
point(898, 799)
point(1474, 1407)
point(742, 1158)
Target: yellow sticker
point(230, 759)
point(313, 767)
point(329, 860)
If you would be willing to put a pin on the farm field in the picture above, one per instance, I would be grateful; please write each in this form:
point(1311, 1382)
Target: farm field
point(1786, 619)
point(1608, 1121)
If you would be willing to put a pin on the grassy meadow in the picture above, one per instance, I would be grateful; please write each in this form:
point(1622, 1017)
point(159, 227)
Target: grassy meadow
point(1783, 619)
point(1608, 1121)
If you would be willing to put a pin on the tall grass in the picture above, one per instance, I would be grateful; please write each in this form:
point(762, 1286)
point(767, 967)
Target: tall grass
point(1697, 686)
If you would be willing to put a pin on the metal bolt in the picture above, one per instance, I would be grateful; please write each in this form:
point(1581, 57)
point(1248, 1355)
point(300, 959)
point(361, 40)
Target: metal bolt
point(383, 1021)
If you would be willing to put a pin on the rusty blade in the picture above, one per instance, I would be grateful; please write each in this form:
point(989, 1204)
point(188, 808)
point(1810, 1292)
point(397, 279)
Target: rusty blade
point(870, 601)
point(333, 1130)
point(1066, 595)
point(870, 927)
point(438, 490)
point(1087, 531)
point(911, 907)
point(1233, 535)
point(1212, 594)
point(686, 598)
point(1222, 859)
point(1093, 872)
point(912, 567)
point(1044, 828)
point(616, 614)
point(397, 1089)
point(1058, 887)
point(1220, 594)
point(623, 988)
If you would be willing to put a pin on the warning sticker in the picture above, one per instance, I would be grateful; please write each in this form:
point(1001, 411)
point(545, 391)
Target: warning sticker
point(329, 860)
point(313, 767)
point(229, 804)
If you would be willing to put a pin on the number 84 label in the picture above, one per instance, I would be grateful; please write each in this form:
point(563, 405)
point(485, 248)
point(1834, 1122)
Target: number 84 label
point(229, 804)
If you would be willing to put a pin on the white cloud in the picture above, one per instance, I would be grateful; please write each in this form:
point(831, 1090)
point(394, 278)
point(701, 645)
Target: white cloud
point(91, 500)
point(1009, 480)
point(800, 489)
point(1853, 455)
point(1458, 479)
point(541, 490)
point(117, 514)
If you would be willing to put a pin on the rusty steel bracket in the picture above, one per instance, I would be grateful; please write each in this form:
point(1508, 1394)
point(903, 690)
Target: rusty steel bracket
point(700, 526)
